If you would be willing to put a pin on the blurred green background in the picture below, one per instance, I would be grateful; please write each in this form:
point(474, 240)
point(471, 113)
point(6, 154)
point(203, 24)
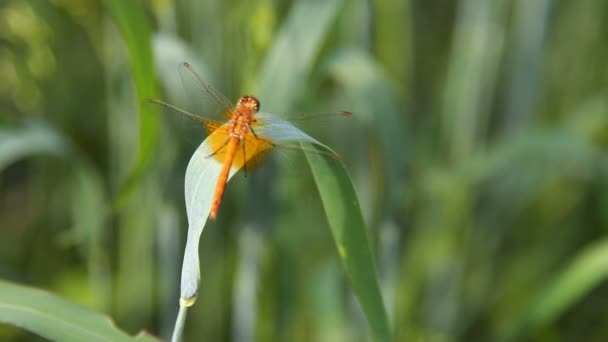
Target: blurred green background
point(477, 148)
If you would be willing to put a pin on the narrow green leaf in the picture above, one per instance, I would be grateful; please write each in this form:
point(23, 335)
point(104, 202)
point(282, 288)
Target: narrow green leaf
point(88, 197)
point(19, 143)
point(585, 272)
point(288, 63)
point(130, 18)
point(55, 318)
point(89, 211)
point(377, 105)
point(293, 54)
point(346, 222)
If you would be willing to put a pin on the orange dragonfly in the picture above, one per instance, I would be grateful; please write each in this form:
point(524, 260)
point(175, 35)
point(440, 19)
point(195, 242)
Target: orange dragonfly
point(246, 136)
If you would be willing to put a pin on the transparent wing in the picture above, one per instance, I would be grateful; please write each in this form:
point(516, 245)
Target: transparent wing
point(208, 124)
point(319, 115)
point(270, 132)
point(285, 135)
point(204, 95)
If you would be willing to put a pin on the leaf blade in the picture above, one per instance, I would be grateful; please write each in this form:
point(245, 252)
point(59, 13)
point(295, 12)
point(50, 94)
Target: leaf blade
point(56, 318)
point(29, 140)
point(348, 229)
point(293, 54)
point(130, 18)
point(585, 272)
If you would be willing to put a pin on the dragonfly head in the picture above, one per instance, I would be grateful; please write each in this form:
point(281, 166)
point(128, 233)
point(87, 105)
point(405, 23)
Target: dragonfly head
point(249, 103)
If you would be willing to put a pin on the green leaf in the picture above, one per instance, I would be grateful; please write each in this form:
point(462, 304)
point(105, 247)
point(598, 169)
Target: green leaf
point(88, 197)
point(346, 221)
point(130, 18)
point(583, 274)
point(293, 54)
point(289, 62)
point(55, 318)
point(378, 107)
point(18, 143)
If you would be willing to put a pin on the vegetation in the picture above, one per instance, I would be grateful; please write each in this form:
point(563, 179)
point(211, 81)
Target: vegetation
point(471, 202)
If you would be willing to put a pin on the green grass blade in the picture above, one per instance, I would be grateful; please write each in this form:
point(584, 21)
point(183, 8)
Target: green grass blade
point(289, 62)
point(88, 197)
point(376, 104)
point(346, 222)
point(585, 272)
point(55, 318)
point(23, 142)
point(130, 18)
point(293, 54)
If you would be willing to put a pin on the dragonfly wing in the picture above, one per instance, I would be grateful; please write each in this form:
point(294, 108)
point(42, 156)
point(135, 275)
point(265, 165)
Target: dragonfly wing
point(210, 98)
point(281, 131)
point(212, 126)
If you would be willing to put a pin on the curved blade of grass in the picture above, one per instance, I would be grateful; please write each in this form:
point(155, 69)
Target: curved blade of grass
point(346, 222)
point(288, 63)
point(585, 272)
point(88, 196)
point(200, 182)
point(33, 139)
point(130, 18)
point(293, 54)
point(55, 318)
point(377, 106)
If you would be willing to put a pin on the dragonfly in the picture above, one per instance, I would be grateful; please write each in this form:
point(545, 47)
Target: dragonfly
point(246, 135)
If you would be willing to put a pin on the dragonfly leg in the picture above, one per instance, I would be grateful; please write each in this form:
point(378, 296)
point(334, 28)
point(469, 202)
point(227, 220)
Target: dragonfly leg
point(253, 132)
point(244, 160)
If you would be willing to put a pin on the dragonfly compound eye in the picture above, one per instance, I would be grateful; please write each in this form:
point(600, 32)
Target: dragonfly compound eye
point(249, 102)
